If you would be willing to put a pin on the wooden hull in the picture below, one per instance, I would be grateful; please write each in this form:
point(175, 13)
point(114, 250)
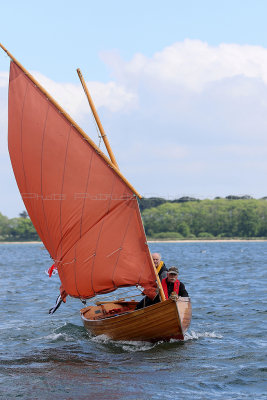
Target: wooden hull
point(162, 321)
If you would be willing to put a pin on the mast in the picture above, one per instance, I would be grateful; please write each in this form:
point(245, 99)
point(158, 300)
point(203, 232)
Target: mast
point(68, 117)
point(161, 292)
point(100, 127)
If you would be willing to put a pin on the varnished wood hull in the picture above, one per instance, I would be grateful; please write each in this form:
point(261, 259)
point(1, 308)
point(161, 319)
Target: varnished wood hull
point(162, 321)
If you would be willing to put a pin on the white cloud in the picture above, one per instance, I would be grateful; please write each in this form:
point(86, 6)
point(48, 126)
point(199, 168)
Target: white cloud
point(3, 79)
point(111, 95)
point(192, 64)
point(3, 111)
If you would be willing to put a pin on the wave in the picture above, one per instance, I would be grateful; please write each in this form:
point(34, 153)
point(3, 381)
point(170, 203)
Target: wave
point(192, 335)
point(135, 346)
point(55, 337)
point(131, 346)
point(68, 332)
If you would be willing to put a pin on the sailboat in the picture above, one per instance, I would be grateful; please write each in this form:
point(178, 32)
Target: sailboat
point(86, 214)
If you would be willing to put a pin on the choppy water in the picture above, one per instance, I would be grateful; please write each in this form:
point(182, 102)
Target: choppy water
point(223, 356)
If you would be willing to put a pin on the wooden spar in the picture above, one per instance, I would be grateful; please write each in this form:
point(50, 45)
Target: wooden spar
point(100, 127)
point(67, 116)
point(161, 292)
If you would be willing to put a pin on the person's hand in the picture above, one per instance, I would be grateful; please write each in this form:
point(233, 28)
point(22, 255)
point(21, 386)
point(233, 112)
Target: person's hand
point(174, 296)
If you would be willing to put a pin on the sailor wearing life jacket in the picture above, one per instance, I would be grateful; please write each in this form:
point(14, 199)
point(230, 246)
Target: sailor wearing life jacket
point(171, 285)
point(172, 288)
point(160, 266)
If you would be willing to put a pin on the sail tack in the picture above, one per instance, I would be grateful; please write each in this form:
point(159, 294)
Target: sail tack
point(85, 214)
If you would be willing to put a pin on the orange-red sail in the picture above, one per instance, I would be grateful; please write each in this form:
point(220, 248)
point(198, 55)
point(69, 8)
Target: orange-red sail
point(85, 214)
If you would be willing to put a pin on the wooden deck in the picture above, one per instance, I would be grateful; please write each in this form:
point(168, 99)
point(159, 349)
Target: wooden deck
point(120, 321)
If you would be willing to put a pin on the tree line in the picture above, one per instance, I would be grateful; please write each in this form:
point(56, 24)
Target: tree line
point(231, 217)
point(17, 229)
point(184, 218)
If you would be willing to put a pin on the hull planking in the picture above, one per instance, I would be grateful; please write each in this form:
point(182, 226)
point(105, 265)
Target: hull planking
point(120, 321)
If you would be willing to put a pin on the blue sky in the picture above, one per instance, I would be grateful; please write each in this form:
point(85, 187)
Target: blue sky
point(53, 36)
point(180, 86)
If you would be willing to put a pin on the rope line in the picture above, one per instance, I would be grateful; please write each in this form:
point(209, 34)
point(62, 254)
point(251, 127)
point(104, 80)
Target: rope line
point(64, 263)
point(87, 259)
point(115, 251)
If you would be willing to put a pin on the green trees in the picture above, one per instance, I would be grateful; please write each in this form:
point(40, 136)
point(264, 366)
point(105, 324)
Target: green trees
point(3, 227)
point(17, 229)
point(229, 217)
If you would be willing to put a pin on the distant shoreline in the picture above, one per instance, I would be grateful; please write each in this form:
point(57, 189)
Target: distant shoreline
point(208, 241)
point(174, 241)
point(21, 243)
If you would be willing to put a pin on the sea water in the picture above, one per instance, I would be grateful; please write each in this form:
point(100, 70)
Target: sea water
point(223, 355)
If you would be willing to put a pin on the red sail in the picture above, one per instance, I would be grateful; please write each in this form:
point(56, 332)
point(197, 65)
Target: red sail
point(86, 215)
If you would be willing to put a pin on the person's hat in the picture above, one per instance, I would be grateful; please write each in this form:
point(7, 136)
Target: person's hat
point(173, 270)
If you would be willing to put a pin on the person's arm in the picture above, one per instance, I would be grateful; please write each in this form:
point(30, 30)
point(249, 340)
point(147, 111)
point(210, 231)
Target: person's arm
point(182, 290)
point(163, 272)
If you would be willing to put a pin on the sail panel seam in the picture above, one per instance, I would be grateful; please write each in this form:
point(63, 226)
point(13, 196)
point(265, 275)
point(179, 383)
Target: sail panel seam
point(21, 149)
point(42, 158)
point(81, 220)
point(123, 239)
point(62, 186)
point(100, 231)
point(86, 187)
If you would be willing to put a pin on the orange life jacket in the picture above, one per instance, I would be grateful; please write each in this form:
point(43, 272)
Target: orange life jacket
point(176, 287)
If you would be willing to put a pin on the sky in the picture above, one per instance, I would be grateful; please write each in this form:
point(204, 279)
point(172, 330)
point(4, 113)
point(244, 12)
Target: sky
point(180, 88)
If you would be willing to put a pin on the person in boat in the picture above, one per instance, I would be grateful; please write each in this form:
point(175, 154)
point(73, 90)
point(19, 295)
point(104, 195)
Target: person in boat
point(160, 266)
point(162, 273)
point(171, 286)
